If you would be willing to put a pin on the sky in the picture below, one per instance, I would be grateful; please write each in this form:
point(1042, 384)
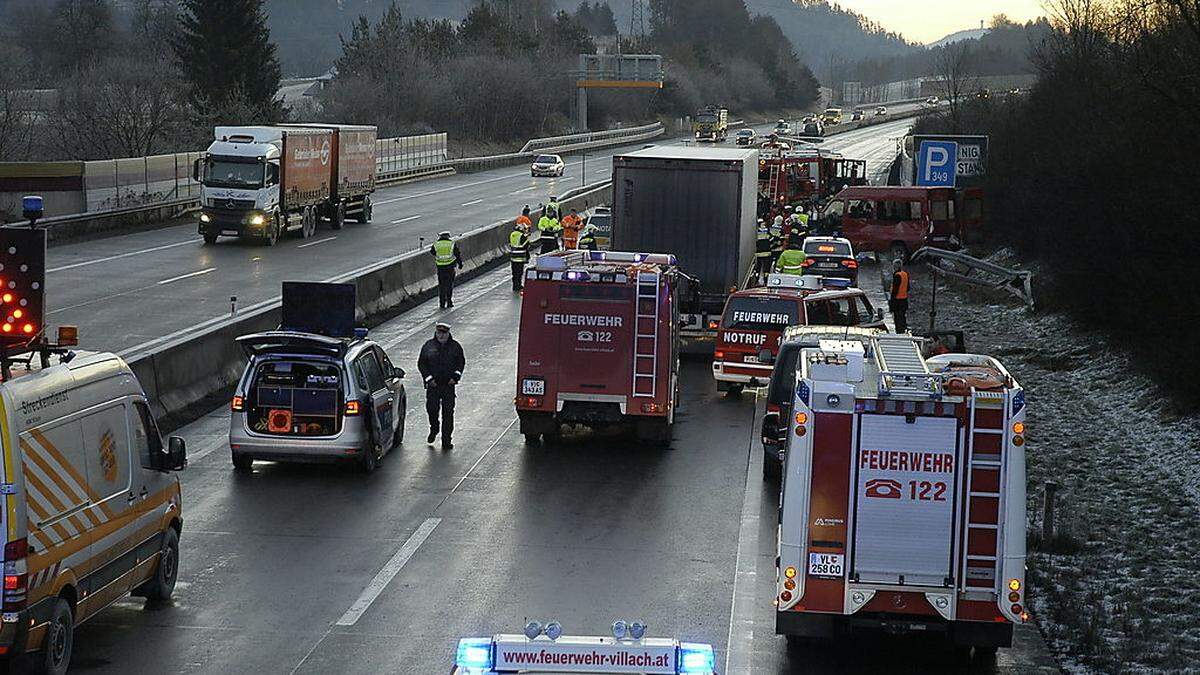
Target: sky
point(930, 20)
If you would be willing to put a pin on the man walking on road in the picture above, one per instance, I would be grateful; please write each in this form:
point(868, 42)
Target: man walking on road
point(447, 257)
point(898, 296)
point(441, 364)
point(518, 253)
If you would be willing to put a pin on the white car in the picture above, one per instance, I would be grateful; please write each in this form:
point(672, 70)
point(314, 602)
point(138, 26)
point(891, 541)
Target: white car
point(547, 165)
point(880, 110)
point(932, 101)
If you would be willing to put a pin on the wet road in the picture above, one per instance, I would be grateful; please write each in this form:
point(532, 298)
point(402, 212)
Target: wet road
point(318, 569)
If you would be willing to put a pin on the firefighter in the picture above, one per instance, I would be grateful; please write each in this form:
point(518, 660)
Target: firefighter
point(548, 231)
point(447, 257)
point(524, 219)
point(791, 261)
point(441, 364)
point(518, 252)
point(587, 238)
point(552, 208)
point(762, 251)
point(898, 296)
point(777, 240)
point(571, 224)
point(800, 226)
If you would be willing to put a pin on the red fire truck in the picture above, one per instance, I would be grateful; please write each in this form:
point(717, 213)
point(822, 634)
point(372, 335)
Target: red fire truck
point(755, 318)
point(599, 344)
point(903, 503)
point(806, 174)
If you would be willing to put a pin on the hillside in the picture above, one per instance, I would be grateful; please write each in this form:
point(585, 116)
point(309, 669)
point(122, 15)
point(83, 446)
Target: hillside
point(959, 36)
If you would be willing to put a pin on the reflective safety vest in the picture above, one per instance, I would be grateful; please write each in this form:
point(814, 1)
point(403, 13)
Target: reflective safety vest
point(587, 241)
point(791, 261)
point(551, 206)
point(763, 245)
point(900, 286)
point(443, 252)
point(518, 246)
point(571, 226)
point(549, 225)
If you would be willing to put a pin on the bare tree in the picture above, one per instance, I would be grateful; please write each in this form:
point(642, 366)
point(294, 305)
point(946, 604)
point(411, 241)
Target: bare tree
point(955, 69)
point(15, 120)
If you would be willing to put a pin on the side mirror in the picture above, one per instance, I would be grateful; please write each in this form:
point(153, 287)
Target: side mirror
point(879, 314)
point(176, 454)
point(765, 356)
point(770, 428)
point(398, 372)
point(196, 170)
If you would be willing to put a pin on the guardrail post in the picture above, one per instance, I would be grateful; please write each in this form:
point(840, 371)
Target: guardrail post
point(1051, 492)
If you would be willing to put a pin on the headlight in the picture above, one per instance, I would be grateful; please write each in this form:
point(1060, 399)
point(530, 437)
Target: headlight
point(205, 218)
point(258, 219)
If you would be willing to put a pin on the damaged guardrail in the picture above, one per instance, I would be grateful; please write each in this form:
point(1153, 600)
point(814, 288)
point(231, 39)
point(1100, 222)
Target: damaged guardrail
point(972, 270)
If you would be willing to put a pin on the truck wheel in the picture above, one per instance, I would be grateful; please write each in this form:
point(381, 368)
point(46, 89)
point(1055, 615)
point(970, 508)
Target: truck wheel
point(272, 232)
point(160, 587)
point(364, 216)
point(55, 657)
point(242, 462)
point(734, 391)
point(210, 239)
point(339, 216)
point(369, 460)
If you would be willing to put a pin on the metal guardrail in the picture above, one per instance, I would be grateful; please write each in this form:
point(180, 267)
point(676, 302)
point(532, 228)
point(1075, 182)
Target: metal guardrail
point(972, 270)
point(560, 142)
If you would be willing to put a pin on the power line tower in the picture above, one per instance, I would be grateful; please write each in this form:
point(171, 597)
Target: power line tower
point(637, 23)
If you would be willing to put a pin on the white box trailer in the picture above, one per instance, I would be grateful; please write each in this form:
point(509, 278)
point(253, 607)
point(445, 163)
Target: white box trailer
point(903, 503)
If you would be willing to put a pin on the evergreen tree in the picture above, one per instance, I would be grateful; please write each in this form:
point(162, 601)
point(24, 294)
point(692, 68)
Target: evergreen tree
point(225, 52)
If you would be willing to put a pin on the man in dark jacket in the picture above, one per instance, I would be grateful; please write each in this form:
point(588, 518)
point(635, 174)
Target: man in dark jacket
point(441, 364)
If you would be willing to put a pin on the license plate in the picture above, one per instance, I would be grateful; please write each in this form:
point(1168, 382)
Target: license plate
point(827, 265)
point(826, 564)
point(533, 387)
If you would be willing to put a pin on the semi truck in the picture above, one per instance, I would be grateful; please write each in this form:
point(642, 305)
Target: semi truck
point(261, 182)
point(599, 344)
point(903, 505)
point(699, 205)
point(711, 124)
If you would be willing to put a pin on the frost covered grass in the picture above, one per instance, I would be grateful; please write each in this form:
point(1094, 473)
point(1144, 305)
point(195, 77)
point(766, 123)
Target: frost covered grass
point(1118, 588)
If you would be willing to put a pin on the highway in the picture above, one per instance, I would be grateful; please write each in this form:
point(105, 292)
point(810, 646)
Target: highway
point(139, 289)
point(301, 569)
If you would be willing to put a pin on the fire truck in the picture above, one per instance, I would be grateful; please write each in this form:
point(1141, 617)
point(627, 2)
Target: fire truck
point(903, 504)
point(805, 175)
point(599, 344)
point(755, 318)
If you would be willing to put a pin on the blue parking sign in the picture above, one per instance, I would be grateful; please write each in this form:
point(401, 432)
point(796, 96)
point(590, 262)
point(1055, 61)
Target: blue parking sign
point(937, 163)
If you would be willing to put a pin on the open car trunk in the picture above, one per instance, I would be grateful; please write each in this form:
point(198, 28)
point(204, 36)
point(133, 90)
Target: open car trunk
point(296, 397)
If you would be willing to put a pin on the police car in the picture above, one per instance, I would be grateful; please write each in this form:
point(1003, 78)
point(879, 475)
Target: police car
point(544, 649)
point(318, 389)
point(830, 257)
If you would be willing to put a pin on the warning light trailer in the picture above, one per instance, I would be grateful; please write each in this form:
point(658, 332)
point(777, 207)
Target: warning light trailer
point(599, 344)
point(903, 504)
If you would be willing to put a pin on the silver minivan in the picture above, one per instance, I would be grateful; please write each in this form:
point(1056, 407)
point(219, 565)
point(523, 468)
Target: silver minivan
point(310, 398)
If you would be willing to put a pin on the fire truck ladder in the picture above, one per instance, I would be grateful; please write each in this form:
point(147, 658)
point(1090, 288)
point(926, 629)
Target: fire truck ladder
point(773, 181)
point(985, 462)
point(645, 335)
point(902, 370)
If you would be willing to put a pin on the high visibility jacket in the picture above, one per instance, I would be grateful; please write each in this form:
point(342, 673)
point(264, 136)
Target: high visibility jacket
point(571, 226)
point(444, 252)
point(791, 261)
point(551, 206)
point(587, 241)
point(763, 245)
point(549, 225)
point(900, 285)
point(518, 246)
point(524, 220)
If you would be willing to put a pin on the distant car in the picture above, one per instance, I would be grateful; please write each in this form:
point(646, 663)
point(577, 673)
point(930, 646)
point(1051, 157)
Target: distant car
point(830, 257)
point(601, 219)
point(857, 115)
point(310, 398)
point(745, 137)
point(880, 110)
point(782, 128)
point(813, 127)
point(547, 165)
point(932, 101)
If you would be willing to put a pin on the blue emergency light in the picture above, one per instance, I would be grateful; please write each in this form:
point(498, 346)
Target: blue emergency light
point(835, 282)
point(695, 657)
point(474, 654)
point(32, 207)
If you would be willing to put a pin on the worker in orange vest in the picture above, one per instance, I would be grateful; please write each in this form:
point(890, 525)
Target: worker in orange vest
point(524, 219)
point(898, 296)
point(571, 224)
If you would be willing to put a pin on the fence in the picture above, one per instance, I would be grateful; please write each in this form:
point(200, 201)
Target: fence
point(401, 155)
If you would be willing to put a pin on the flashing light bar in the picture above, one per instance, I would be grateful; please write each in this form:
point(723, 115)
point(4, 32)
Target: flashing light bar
point(580, 654)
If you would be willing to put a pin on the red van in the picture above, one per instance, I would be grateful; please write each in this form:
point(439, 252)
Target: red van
point(899, 219)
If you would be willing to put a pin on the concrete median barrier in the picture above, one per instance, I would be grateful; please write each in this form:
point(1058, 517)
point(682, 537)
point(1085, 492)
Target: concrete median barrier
point(185, 376)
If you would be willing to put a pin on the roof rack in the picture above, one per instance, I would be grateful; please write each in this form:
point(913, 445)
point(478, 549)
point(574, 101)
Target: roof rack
point(902, 369)
point(564, 260)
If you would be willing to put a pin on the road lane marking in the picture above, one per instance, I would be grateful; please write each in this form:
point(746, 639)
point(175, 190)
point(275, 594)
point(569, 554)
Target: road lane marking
point(739, 642)
point(187, 276)
point(525, 189)
point(404, 219)
point(473, 202)
point(97, 261)
point(390, 569)
point(510, 176)
point(319, 241)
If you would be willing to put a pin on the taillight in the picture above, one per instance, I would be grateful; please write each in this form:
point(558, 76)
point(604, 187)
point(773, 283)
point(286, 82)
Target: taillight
point(353, 407)
point(16, 579)
point(652, 408)
point(718, 355)
point(529, 402)
point(774, 408)
point(712, 325)
point(808, 261)
point(239, 404)
point(850, 263)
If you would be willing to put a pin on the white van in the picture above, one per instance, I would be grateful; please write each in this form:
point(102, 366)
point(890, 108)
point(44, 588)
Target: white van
point(91, 510)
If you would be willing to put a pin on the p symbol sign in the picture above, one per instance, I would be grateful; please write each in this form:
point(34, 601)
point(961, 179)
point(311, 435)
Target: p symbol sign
point(937, 163)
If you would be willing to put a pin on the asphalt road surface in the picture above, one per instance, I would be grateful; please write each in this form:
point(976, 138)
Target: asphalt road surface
point(129, 291)
point(303, 569)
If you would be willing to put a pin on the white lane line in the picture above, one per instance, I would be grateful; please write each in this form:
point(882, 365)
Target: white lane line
point(473, 202)
point(526, 189)
point(319, 241)
point(389, 572)
point(404, 219)
point(739, 642)
point(452, 188)
point(189, 275)
point(97, 261)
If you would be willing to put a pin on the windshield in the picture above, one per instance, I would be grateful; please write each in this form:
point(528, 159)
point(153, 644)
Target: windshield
point(235, 173)
point(706, 119)
point(746, 132)
point(827, 248)
point(833, 111)
point(546, 159)
point(760, 314)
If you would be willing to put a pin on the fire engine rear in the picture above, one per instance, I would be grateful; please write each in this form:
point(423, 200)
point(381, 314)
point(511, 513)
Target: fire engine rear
point(903, 505)
point(599, 344)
